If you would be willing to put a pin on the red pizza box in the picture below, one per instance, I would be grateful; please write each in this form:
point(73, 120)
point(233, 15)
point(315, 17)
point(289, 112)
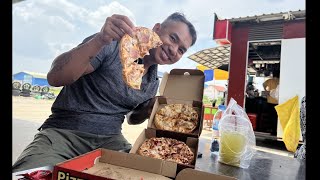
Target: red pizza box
point(181, 86)
point(173, 168)
point(101, 164)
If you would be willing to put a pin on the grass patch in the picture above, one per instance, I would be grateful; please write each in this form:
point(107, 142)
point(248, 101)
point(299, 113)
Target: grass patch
point(55, 90)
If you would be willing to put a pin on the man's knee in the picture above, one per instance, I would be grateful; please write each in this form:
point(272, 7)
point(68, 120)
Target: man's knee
point(117, 143)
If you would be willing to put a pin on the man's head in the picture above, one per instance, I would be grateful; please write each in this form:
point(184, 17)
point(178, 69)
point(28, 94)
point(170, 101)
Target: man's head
point(177, 35)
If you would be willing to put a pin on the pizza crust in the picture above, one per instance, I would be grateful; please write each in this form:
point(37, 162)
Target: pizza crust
point(167, 149)
point(133, 48)
point(177, 117)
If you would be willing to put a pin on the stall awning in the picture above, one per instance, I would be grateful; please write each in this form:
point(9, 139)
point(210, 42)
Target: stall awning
point(212, 58)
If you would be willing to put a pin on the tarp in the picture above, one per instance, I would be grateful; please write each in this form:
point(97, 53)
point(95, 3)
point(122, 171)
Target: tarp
point(208, 75)
point(202, 67)
point(213, 57)
point(289, 116)
point(221, 74)
point(216, 74)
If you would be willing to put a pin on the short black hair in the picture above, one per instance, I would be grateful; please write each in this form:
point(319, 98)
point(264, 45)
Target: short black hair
point(180, 17)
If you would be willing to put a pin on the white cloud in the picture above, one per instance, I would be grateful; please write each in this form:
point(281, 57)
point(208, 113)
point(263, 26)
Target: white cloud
point(98, 17)
point(58, 21)
point(35, 26)
point(63, 7)
point(42, 29)
point(32, 64)
point(58, 48)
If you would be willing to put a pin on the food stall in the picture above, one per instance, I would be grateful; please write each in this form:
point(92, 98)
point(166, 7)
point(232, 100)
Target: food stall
point(251, 48)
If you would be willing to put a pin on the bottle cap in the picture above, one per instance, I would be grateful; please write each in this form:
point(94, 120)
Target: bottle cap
point(222, 107)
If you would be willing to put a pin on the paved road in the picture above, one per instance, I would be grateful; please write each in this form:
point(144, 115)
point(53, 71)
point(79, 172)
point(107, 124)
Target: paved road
point(22, 134)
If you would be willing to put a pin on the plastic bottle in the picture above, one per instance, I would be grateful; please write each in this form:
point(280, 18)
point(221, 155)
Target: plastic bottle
point(215, 129)
point(216, 119)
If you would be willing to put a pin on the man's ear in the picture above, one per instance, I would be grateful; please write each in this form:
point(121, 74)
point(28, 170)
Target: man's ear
point(156, 28)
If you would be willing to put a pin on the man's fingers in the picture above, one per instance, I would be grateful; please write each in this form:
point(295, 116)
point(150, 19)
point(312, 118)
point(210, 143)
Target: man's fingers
point(116, 26)
point(126, 20)
point(112, 33)
point(123, 23)
point(117, 30)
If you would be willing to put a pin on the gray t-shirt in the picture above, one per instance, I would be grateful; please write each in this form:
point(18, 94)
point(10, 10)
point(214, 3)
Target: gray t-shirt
point(97, 102)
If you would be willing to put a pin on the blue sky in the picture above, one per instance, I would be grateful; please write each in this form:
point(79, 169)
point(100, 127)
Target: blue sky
point(43, 29)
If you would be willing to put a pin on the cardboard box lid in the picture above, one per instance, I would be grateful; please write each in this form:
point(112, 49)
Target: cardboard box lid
point(132, 161)
point(192, 174)
point(185, 84)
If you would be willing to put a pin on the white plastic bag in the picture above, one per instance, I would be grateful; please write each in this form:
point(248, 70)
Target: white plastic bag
point(237, 139)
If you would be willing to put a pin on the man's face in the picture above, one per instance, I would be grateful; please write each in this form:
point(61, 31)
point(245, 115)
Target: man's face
point(176, 40)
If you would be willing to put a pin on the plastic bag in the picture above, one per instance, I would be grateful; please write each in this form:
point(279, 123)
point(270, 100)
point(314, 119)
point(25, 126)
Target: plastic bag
point(275, 93)
point(289, 117)
point(237, 139)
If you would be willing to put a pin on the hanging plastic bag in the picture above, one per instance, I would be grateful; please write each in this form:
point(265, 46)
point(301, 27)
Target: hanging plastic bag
point(289, 117)
point(237, 139)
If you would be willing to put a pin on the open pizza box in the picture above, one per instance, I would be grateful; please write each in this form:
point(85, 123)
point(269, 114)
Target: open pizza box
point(182, 86)
point(103, 164)
point(173, 168)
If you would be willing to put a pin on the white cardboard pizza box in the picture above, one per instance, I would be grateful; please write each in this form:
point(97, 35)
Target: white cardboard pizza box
point(183, 86)
point(170, 168)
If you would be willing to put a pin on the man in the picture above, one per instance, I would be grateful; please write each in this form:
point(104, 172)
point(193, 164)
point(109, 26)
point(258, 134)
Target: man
point(90, 109)
point(269, 85)
point(301, 151)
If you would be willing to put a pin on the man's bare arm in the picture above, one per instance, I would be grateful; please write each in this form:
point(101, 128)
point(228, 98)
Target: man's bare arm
point(141, 112)
point(70, 66)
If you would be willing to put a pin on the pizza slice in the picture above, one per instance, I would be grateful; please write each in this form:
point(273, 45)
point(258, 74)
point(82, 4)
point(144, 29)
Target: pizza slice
point(133, 48)
point(132, 75)
point(129, 50)
point(147, 39)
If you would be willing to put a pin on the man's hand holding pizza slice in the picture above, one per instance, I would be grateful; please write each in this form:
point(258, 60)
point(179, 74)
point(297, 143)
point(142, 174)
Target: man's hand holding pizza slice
point(114, 28)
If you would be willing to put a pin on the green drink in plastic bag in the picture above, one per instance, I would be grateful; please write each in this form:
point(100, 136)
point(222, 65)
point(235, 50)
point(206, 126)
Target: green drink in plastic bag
point(232, 146)
point(237, 139)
